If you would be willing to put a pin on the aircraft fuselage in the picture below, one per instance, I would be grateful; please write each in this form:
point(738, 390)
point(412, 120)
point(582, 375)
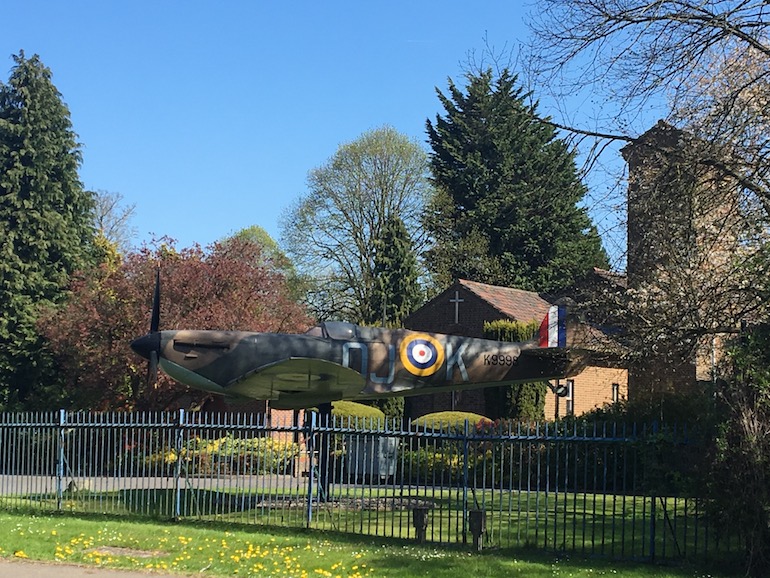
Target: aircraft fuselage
point(345, 361)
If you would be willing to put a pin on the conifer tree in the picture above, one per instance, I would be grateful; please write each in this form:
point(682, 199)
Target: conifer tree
point(396, 290)
point(46, 220)
point(507, 207)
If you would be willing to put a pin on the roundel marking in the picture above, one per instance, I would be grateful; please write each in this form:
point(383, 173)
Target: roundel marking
point(421, 354)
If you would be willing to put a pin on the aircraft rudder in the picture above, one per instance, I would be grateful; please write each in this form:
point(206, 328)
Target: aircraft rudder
point(553, 328)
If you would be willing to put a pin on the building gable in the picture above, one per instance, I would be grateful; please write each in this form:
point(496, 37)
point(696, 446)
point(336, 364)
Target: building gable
point(463, 308)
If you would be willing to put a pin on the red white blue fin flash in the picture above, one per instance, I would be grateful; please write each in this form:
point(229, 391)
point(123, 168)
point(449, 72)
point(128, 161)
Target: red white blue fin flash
point(553, 329)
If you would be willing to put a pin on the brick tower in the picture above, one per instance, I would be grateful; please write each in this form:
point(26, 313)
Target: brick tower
point(683, 236)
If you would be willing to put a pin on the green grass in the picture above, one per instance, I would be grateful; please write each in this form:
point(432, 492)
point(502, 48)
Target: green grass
point(217, 549)
point(590, 524)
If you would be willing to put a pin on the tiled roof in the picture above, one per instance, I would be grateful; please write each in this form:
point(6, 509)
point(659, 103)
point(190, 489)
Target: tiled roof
point(513, 303)
point(612, 277)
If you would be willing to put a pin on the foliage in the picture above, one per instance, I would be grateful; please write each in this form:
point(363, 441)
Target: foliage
point(351, 411)
point(506, 211)
point(227, 455)
point(331, 231)
point(46, 227)
point(449, 420)
point(226, 287)
point(509, 330)
point(743, 449)
point(396, 292)
point(272, 257)
point(392, 407)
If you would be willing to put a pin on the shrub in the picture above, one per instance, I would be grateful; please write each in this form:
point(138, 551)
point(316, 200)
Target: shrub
point(450, 421)
point(228, 455)
point(351, 411)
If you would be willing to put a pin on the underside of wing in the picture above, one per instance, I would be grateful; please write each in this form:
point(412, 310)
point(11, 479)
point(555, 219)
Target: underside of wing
point(299, 382)
point(554, 362)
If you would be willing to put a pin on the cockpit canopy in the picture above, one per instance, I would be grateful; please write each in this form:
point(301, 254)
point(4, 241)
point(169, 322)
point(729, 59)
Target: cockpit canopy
point(338, 330)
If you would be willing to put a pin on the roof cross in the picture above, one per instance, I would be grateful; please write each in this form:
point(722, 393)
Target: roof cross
point(457, 300)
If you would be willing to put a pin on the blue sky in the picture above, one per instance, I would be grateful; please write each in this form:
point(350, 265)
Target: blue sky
point(209, 115)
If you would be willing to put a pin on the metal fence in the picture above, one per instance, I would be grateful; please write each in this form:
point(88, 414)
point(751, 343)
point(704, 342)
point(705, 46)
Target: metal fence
point(597, 489)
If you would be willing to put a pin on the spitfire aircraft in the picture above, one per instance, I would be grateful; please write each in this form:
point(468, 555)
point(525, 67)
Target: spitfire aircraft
point(337, 360)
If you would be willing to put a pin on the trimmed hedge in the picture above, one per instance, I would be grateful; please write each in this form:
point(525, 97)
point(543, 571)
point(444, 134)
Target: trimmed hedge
point(450, 420)
point(352, 410)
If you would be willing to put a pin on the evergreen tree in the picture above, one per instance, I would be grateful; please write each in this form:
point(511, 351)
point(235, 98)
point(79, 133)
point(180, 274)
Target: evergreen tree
point(396, 291)
point(46, 219)
point(506, 211)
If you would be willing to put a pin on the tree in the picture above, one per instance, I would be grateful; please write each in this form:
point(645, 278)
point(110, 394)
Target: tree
point(396, 290)
point(330, 232)
point(706, 67)
point(272, 256)
point(703, 66)
point(507, 208)
point(112, 219)
point(46, 229)
point(700, 66)
point(227, 287)
point(743, 449)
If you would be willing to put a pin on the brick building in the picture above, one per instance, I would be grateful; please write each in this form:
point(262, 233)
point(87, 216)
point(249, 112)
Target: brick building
point(684, 216)
point(463, 308)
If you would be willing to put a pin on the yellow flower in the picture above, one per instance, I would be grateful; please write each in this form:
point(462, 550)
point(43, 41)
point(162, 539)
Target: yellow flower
point(20, 554)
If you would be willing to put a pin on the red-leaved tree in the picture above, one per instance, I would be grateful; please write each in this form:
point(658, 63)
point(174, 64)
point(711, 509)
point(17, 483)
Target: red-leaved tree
point(230, 286)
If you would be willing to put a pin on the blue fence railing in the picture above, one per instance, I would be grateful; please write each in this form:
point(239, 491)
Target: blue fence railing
point(601, 489)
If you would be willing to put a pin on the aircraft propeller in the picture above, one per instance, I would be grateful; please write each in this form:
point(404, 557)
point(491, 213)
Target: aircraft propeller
point(148, 346)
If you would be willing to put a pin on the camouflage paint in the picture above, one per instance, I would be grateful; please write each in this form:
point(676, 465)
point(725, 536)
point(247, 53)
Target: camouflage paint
point(345, 361)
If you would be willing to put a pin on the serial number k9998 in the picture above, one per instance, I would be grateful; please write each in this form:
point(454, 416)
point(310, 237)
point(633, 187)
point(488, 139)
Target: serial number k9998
point(493, 359)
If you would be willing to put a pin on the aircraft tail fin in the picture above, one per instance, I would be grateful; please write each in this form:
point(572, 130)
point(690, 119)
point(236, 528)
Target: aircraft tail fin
point(553, 329)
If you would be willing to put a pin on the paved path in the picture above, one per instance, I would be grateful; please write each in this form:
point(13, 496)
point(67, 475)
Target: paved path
point(28, 569)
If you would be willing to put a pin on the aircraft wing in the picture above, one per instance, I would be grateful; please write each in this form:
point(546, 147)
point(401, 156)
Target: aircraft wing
point(299, 382)
point(554, 362)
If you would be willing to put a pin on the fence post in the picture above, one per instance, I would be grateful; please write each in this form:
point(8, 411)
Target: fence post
point(653, 497)
point(178, 439)
point(465, 483)
point(310, 449)
point(60, 459)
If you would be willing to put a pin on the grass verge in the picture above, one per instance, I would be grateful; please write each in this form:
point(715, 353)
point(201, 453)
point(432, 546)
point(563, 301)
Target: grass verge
point(222, 550)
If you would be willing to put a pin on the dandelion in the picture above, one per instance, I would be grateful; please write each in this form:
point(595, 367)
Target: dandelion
point(20, 554)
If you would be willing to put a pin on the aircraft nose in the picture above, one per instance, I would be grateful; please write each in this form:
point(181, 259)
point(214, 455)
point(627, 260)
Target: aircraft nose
point(146, 344)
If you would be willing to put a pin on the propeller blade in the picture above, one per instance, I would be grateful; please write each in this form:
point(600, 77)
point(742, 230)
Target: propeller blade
point(148, 346)
point(155, 319)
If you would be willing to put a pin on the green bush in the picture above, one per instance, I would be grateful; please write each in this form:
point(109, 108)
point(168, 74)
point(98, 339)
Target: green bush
point(507, 330)
point(350, 410)
point(453, 421)
point(228, 455)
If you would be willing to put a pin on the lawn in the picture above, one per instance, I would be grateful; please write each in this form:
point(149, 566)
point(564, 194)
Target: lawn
point(217, 549)
point(589, 524)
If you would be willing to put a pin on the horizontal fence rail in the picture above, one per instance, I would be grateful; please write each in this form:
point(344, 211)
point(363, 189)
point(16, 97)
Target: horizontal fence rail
point(604, 489)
